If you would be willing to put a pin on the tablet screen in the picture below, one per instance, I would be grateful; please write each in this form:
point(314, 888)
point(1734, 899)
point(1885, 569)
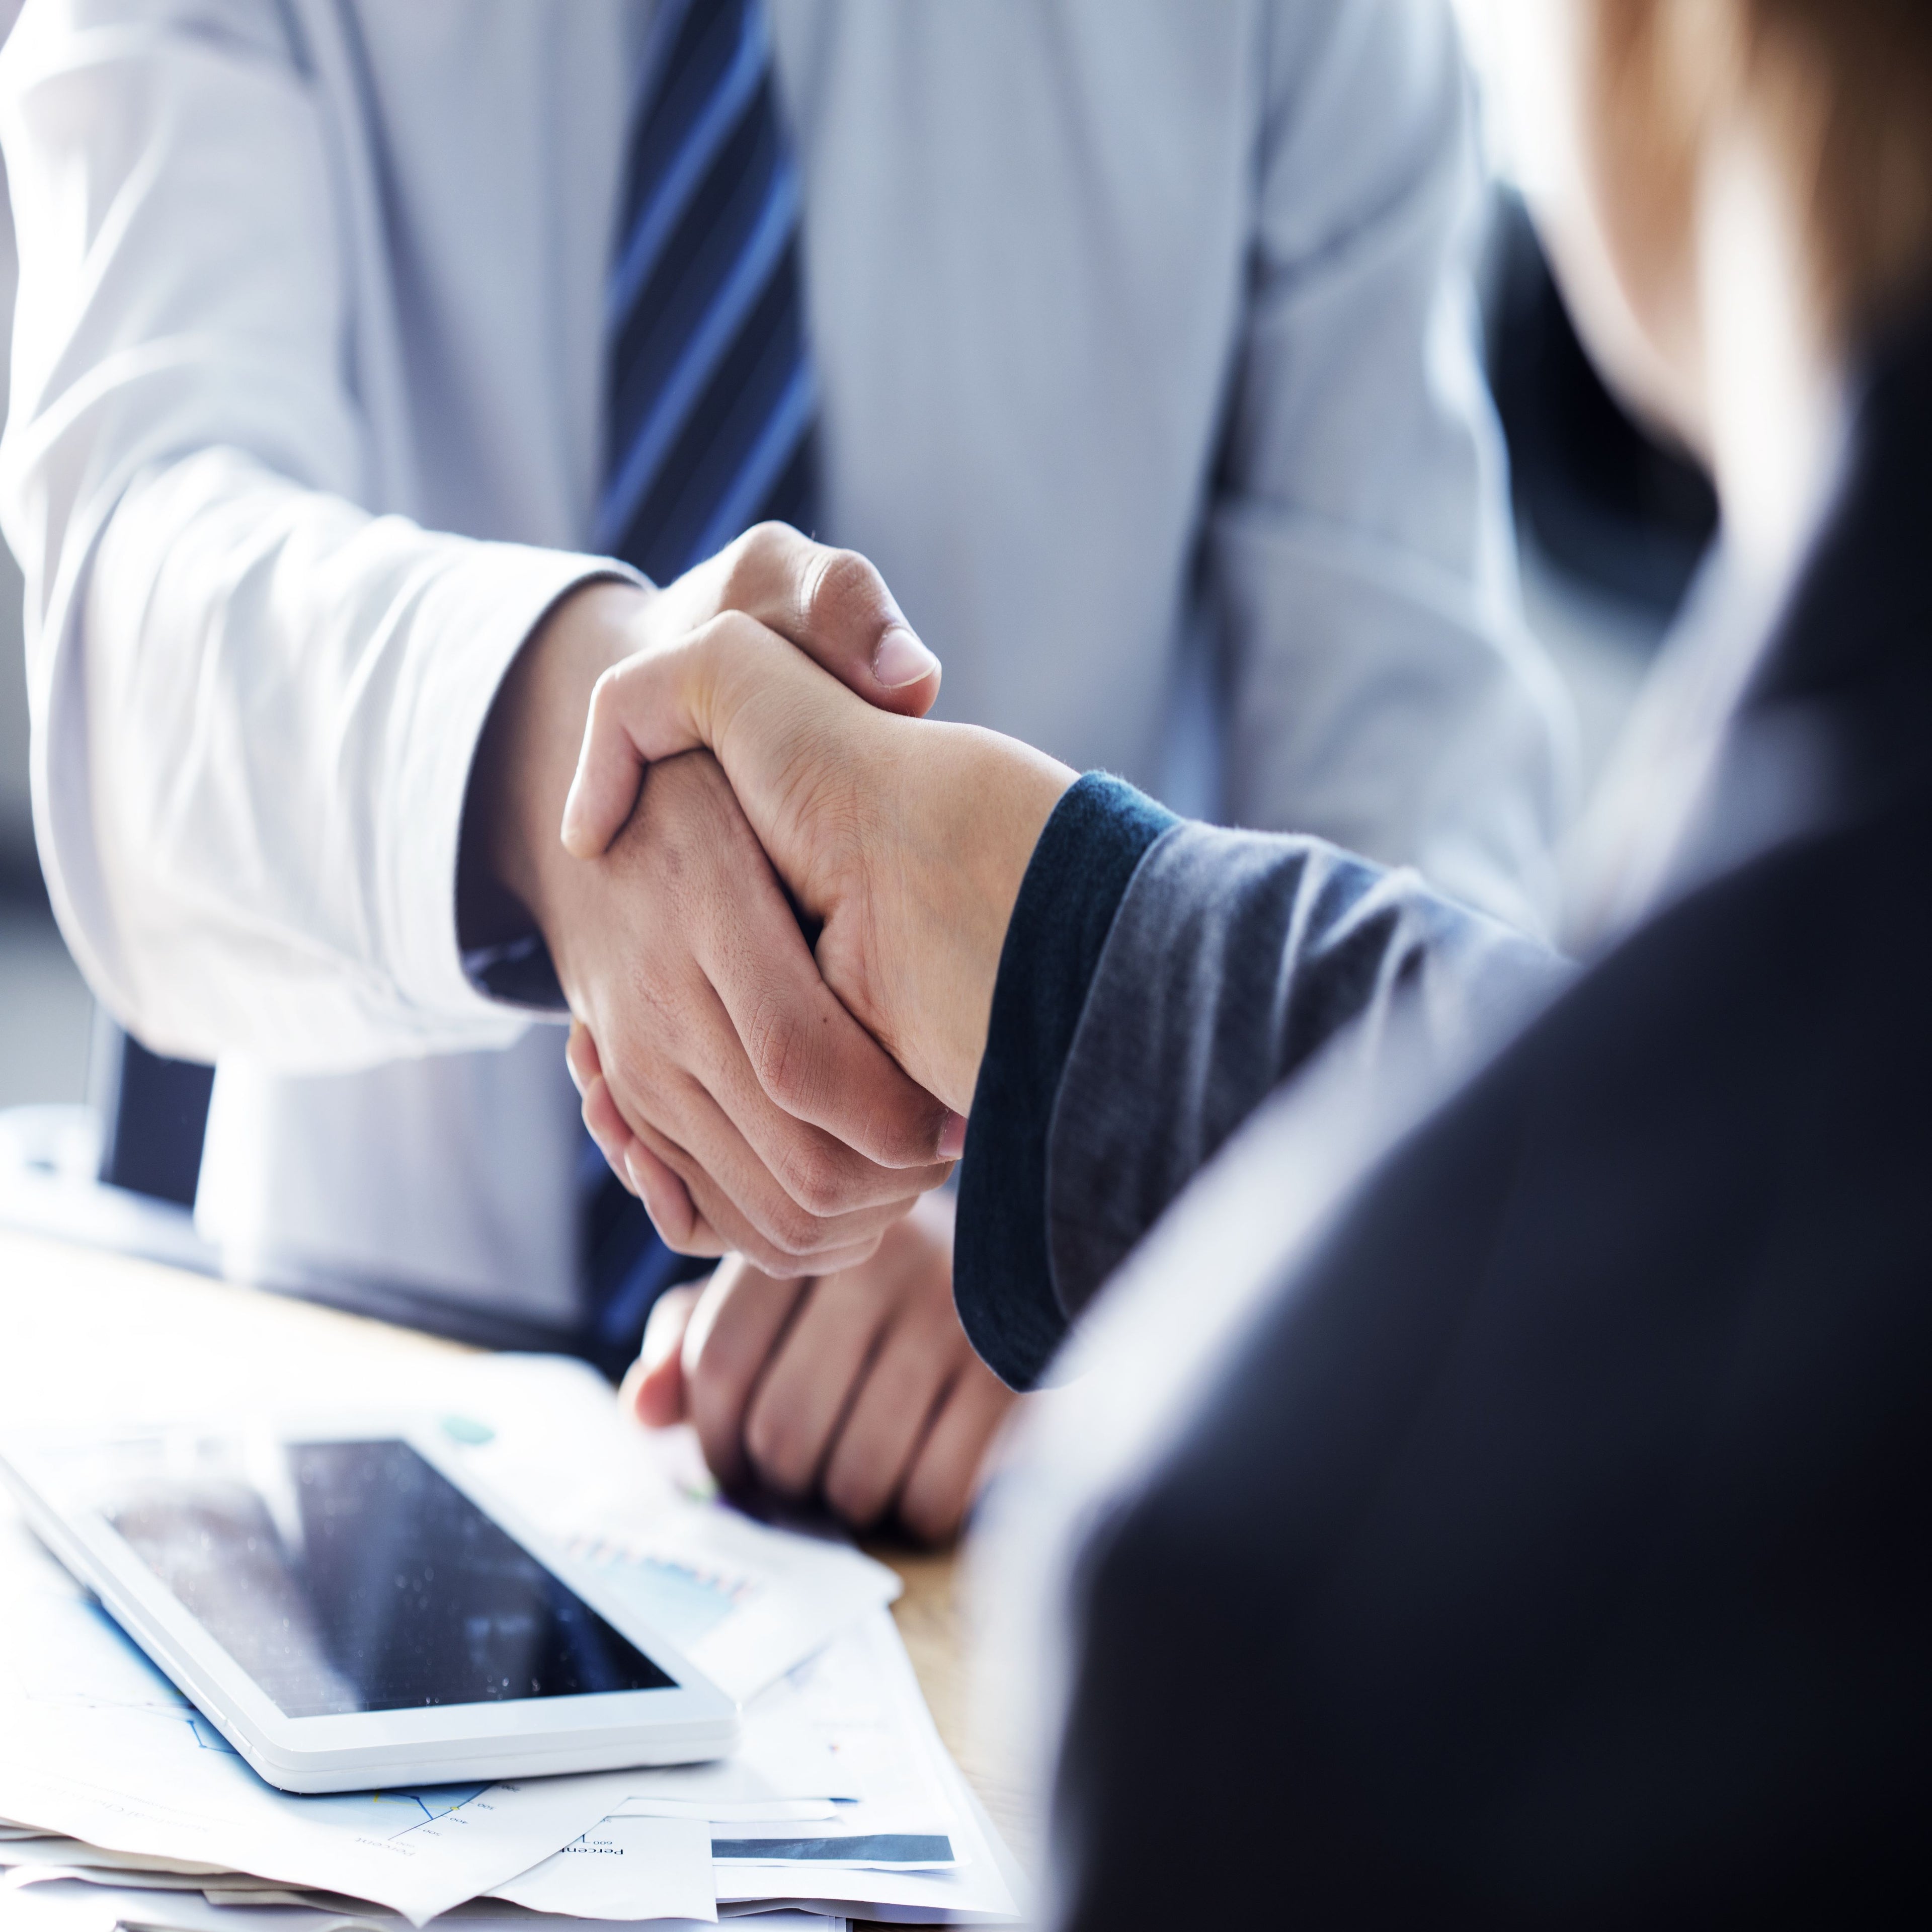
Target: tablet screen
point(348, 1577)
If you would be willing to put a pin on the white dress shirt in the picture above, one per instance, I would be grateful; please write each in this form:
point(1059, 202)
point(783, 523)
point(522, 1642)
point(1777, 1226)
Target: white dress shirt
point(1142, 342)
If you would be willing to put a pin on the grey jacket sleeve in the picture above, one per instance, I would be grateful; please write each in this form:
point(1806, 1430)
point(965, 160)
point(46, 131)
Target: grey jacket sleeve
point(1159, 979)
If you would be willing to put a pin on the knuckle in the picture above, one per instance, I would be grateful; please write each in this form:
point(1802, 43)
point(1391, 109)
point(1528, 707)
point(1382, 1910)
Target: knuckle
point(840, 583)
point(766, 542)
point(604, 694)
point(732, 630)
point(816, 1179)
point(671, 1214)
point(789, 1235)
point(854, 1495)
point(798, 1231)
point(780, 1047)
point(597, 713)
point(601, 1123)
point(711, 1408)
point(764, 1253)
point(778, 1449)
point(931, 1514)
point(748, 561)
point(721, 1448)
point(732, 1354)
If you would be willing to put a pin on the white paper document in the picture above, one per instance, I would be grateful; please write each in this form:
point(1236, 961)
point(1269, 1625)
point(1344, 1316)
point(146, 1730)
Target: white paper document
point(74, 1908)
point(51, 1850)
point(114, 1788)
point(849, 1728)
point(846, 1728)
point(100, 1746)
point(626, 1868)
point(909, 1767)
point(745, 1604)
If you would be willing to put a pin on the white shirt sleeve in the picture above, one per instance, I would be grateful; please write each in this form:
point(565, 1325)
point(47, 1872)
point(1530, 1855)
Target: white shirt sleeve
point(1381, 690)
point(254, 703)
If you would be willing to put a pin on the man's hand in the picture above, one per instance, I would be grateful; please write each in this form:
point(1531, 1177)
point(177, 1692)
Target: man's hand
point(858, 1386)
point(907, 840)
point(760, 1116)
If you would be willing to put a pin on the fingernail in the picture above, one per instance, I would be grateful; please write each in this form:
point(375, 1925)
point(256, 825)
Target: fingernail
point(952, 1137)
point(902, 659)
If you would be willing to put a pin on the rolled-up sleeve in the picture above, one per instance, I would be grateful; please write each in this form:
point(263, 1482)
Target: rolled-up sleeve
point(254, 702)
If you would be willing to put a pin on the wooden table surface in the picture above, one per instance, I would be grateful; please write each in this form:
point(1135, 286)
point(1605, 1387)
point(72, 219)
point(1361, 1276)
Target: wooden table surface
point(84, 1332)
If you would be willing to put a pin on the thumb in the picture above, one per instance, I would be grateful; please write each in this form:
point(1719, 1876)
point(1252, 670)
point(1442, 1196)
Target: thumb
point(832, 604)
point(654, 1389)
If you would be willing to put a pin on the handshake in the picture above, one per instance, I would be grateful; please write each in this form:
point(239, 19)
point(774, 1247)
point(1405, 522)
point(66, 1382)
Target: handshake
point(776, 909)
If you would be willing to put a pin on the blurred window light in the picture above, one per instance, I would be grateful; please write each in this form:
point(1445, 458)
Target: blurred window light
point(1510, 45)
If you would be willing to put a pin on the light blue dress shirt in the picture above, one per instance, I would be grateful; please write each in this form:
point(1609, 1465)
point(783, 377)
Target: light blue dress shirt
point(1147, 376)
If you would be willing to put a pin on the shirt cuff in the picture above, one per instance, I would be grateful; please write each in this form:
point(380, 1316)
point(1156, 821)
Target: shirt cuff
point(475, 617)
point(1002, 1272)
point(517, 972)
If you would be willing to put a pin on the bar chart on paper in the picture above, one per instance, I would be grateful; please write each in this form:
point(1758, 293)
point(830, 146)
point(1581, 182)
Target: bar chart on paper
point(686, 1601)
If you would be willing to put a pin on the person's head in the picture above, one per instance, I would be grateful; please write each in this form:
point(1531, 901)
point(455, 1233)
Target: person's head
point(1736, 195)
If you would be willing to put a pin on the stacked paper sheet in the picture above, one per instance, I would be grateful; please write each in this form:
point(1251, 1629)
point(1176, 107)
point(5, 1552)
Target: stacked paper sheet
point(841, 1797)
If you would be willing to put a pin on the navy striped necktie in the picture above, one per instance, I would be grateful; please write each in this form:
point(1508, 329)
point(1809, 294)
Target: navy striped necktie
point(711, 410)
point(711, 401)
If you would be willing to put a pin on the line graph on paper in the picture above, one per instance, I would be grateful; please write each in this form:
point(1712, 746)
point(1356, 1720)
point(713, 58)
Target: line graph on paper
point(176, 1710)
point(413, 1809)
point(134, 1687)
point(141, 1688)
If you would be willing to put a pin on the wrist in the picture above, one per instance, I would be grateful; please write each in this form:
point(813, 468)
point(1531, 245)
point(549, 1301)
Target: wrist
point(512, 860)
point(975, 863)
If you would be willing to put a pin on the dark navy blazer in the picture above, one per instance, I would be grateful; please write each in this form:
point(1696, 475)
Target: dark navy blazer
point(1557, 1551)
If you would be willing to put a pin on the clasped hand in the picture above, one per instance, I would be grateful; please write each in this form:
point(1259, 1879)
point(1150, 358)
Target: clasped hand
point(902, 843)
point(902, 840)
point(762, 1118)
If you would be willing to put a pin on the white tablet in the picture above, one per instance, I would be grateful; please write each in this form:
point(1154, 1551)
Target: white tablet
point(350, 1612)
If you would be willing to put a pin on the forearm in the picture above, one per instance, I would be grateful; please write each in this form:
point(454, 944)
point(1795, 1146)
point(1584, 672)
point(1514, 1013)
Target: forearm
point(257, 730)
point(1116, 1069)
point(255, 702)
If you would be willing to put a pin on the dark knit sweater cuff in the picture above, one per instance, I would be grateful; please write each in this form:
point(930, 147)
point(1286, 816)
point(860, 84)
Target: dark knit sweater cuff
point(1002, 1275)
